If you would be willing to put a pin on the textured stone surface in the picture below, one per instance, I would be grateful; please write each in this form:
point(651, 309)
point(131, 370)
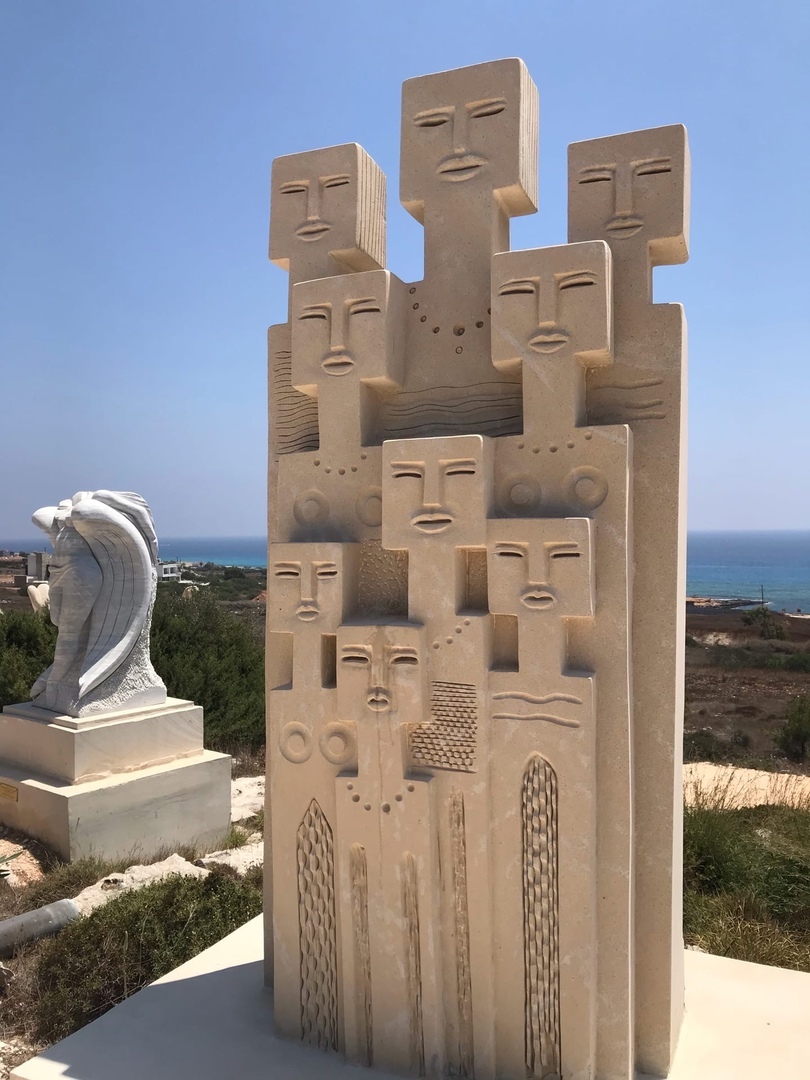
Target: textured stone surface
point(462, 882)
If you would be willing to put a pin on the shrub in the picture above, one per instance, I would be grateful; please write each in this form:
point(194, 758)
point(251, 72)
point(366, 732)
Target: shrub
point(703, 746)
point(794, 738)
point(98, 961)
point(26, 648)
point(763, 619)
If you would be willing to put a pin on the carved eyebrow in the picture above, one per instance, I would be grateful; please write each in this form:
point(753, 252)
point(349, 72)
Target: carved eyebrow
point(652, 166)
point(314, 311)
point(577, 280)
point(328, 569)
point(509, 549)
point(365, 306)
point(355, 654)
point(564, 551)
point(293, 186)
point(287, 570)
point(335, 181)
point(403, 656)
point(463, 467)
point(433, 117)
point(406, 468)
point(489, 107)
point(516, 287)
point(593, 174)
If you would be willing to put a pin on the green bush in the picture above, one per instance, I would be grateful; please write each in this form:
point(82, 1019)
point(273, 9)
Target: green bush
point(794, 738)
point(703, 746)
point(26, 649)
point(98, 961)
point(763, 619)
point(797, 661)
point(205, 655)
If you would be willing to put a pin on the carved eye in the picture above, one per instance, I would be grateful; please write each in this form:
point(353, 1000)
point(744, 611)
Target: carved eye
point(462, 469)
point(358, 659)
point(312, 313)
point(577, 281)
point(405, 658)
point(509, 553)
point(327, 571)
point(652, 168)
point(293, 188)
point(430, 119)
point(365, 307)
point(598, 176)
point(287, 572)
point(400, 471)
point(516, 288)
point(565, 554)
point(488, 108)
point(336, 181)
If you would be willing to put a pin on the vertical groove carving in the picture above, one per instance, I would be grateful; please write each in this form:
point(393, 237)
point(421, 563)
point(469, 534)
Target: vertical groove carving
point(458, 843)
point(540, 919)
point(358, 870)
point(410, 905)
point(317, 930)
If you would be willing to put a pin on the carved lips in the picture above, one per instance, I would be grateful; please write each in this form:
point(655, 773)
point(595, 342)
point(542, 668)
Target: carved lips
point(337, 364)
point(549, 342)
point(307, 612)
point(312, 230)
point(624, 227)
point(378, 699)
point(460, 167)
point(538, 599)
point(432, 523)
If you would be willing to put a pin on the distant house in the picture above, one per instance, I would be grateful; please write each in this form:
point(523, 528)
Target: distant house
point(38, 562)
point(168, 571)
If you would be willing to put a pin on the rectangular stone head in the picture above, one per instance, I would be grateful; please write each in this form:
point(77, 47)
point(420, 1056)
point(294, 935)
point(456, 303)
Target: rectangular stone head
point(328, 205)
point(381, 672)
point(541, 565)
point(349, 328)
point(552, 304)
point(632, 190)
point(474, 126)
point(436, 492)
point(311, 585)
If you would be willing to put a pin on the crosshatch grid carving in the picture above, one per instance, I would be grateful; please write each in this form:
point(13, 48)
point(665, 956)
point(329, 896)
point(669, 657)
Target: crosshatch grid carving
point(491, 417)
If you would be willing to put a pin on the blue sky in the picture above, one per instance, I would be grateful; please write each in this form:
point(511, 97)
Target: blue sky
point(135, 289)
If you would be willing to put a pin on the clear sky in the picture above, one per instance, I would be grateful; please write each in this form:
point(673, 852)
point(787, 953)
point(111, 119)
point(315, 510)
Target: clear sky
point(135, 291)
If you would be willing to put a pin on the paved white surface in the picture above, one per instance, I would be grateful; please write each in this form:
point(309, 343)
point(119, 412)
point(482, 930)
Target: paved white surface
point(211, 1019)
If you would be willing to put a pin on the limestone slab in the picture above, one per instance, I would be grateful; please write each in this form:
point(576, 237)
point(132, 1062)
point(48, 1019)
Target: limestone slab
point(127, 815)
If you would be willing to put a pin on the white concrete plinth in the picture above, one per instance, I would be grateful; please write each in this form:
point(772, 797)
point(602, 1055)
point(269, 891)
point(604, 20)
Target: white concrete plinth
point(123, 784)
point(212, 1018)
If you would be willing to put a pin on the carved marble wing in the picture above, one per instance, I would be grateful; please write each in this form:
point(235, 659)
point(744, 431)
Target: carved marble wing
point(110, 522)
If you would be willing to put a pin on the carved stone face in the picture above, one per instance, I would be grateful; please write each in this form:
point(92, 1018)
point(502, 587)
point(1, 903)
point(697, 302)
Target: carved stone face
point(469, 126)
point(631, 186)
point(436, 488)
point(310, 583)
point(332, 199)
point(348, 326)
point(540, 565)
point(549, 301)
point(379, 669)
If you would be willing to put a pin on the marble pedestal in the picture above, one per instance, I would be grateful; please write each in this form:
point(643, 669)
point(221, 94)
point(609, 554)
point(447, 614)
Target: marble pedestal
point(114, 785)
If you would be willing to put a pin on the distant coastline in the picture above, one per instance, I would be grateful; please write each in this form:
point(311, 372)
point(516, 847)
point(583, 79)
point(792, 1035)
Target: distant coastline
point(719, 564)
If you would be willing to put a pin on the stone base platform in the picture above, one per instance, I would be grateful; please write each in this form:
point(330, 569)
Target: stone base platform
point(212, 1018)
point(123, 784)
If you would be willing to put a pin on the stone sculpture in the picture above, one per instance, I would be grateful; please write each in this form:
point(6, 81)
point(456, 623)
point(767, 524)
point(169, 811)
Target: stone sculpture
point(474, 594)
point(102, 583)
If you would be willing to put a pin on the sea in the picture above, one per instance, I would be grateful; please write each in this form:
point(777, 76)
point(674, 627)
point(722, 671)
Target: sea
point(775, 565)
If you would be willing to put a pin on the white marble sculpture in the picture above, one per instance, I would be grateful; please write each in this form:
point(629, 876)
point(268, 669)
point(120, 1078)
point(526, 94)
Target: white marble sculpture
point(102, 589)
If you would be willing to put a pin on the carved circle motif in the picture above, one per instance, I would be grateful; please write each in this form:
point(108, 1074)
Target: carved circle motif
point(369, 506)
point(311, 507)
point(587, 487)
point(296, 742)
point(338, 743)
point(519, 495)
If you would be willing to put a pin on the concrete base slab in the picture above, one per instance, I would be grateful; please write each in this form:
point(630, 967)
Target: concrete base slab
point(130, 815)
point(212, 1018)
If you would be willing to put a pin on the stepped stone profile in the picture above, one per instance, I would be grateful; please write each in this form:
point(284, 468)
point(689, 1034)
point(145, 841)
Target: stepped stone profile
point(102, 589)
point(475, 595)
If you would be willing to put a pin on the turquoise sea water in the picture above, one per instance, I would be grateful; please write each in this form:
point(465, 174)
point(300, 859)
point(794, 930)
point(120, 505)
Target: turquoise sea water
point(719, 563)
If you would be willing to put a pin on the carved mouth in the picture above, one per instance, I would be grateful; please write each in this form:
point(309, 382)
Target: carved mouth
point(378, 700)
point(432, 523)
point(460, 167)
point(548, 343)
point(307, 612)
point(625, 226)
point(337, 364)
point(312, 230)
point(538, 599)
